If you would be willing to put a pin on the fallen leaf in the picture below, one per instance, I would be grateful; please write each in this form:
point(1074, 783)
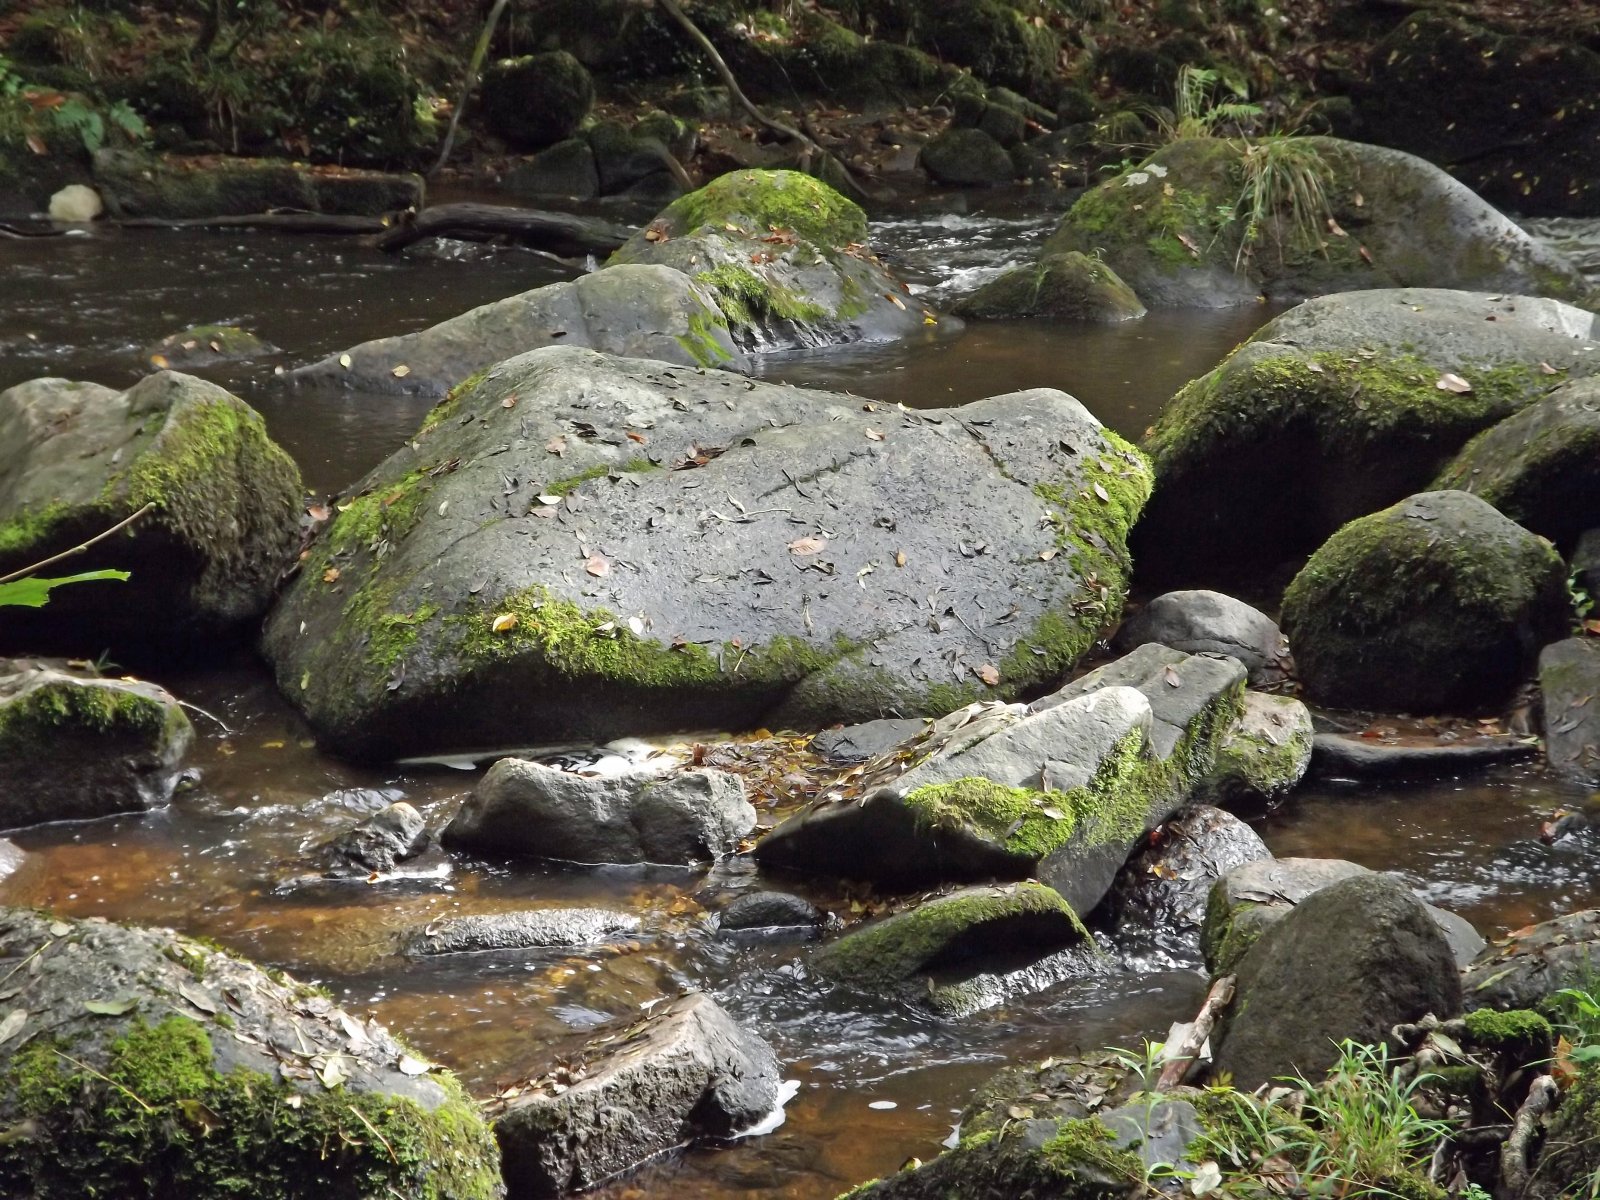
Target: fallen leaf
point(401, 371)
point(1099, 490)
point(504, 623)
point(1172, 678)
point(1546, 369)
point(874, 435)
point(1451, 382)
point(60, 929)
point(895, 300)
point(197, 998)
point(1047, 555)
point(1366, 255)
point(989, 675)
point(636, 437)
point(597, 565)
point(201, 1117)
point(509, 402)
point(556, 445)
point(413, 1066)
point(804, 547)
point(899, 558)
point(159, 361)
point(1189, 244)
point(344, 361)
point(331, 575)
point(333, 1072)
point(319, 512)
point(13, 1023)
point(1333, 228)
point(111, 1008)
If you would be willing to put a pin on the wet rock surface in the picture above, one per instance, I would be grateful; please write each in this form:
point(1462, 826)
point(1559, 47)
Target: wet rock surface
point(390, 836)
point(1202, 622)
point(1067, 287)
point(75, 746)
point(684, 1073)
point(532, 929)
point(1264, 756)
point(1345, 756)
point(1530, 965)
point(456, 573)
point(1569, 677)
point(770, 910)
point(525, 809)
point(169, 187)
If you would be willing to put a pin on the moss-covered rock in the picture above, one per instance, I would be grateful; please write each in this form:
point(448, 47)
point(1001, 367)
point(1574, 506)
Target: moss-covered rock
point(75, 746)
point(1540, 467)
point(1343, 402)
point(538, 99)
point(1438, 603)
point(1207, 222)
point(137, 184)
point(450, 574)
point(967, 158)
point(205, 346)
point(1569, 1156)
point(785, 255)
point(1070, 286)
point(222, 501)
point(1264, 755)
point(130, 1082)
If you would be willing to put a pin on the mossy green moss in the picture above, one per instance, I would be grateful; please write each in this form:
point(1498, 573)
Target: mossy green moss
point(1525, 1036)
point(157, 1118)
point(52, 710)
point(382, 516)
point(748, 299)
point(31, 527)
point(451, 404)
point(757, 201)
point(701, 342)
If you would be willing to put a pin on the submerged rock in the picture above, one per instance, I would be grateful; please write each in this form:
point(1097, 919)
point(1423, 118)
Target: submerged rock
point(1184, 231)
point(1062, 795)
point(74, 747)
point(205, 346)
point(521, 808)
point(150, 1065)
point(1201, 622)
point(687, 1072)
point(76, 458)
point(770, 910)
point(1345, 404)
point(1263, 757)
point(1525, 968)
point(1069, 286)
point(453, 579)
point(1350, 961)
point(1344, 756)
point(1438, 603)
point(537, 928)
point(389, 836)
point(1569, 678)
point(1541, 466)
point(858, 743)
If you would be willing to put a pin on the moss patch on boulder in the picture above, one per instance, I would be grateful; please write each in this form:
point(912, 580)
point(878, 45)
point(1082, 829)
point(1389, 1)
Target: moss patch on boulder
point(1068, 286)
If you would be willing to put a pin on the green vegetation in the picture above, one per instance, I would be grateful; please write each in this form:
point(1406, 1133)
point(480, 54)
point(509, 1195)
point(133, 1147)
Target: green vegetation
point(759, 201)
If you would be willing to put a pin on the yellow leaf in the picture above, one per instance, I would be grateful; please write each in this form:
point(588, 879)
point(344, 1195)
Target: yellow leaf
point(401, 371)
point(344, 361)
point(505, 623)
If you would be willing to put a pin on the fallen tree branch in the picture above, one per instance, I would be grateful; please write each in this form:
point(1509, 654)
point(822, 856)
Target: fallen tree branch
point(80, 547)
point(1515, 1170)
point(559, 233)
point(1183, 1056)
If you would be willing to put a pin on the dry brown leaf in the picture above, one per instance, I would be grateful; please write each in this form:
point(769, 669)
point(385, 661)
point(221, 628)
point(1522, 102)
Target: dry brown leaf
point(874, 435)
point(331, 575)
point(899, 558)
point(401, 371)
point(806, 546)
point(556, 445)
point(597, 565)
point(989, 674)
point(509, 402)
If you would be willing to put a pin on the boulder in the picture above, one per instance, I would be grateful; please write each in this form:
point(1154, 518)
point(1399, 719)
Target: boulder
point(786, 257)
point(74, 746)
point(1526, 968)
point(1062, 1088)
point(685, 1073)
point(1068, 286)
point(456, 578)
point(1527, 147)
point(1343, 756)
point(1339, 403)
point(1160, 894)
point(537, 99)
point(1202, 223)
point(629, 161)
point(565, 169)
point(146, 1064)
point(1436, 604)
point(1585, 563)
point(770, 910)
point(524, 809)
point(76, 204)
point(1352, 960)
point(76, 458)
point(1569, 678)
point(389, 836)
point(852, 744)
point(967, 158)
point(1200, 622)
point(529, 929)
point(1251, 898)
point(205, 346)
point(1061, 796)
point(1540, 466)
point(135, 184)
point(1262, 758)
point(651, 312)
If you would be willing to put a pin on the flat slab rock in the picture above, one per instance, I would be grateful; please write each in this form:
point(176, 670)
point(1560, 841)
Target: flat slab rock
point(1569, 677)
point(522, 808)
point(1531, 964)
point(741, 548)
point(74, 747)
point(1353, 757)
point(686, 1072)
point(537, 928)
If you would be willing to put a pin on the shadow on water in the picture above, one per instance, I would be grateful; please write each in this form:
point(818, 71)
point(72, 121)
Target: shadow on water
point(223, 859)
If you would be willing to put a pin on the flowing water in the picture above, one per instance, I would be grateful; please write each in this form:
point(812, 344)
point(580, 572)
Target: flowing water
point(221, 861)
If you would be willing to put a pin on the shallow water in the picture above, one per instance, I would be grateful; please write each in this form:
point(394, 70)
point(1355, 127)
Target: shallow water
point(219, 861)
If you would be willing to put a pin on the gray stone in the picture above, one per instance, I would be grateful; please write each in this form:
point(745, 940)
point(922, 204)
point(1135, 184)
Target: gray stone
point(538, 928)
point(135, 184)
point(565, 169)
point(858, 743)
point(223, 502)
point(769, 910)
point(967, 158)
point(623, 159)
point(1350, 961)
point(1343, 756)
point(389, 836)
point(1586, 563)
point(1160, 894)
point(1276, 419)
point(522, 808)
point(1160, 1134)
point(1201, 622)
point(689, 1072)
point(1263, 757)
point(206, 346)
point(1438, 603)
point(482, 519)
point(1068, 286)
point(1540, 466)
point(203, 1032)
point(74, 747)
point(1569, 677)
point(651, 312)
point(1526, 968)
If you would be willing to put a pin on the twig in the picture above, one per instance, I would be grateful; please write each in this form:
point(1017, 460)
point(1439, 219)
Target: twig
point(362, 1118)
point(26, 961)
point(1181, 1059)
point(220, 722)
point(1514, 1172)
point(479, 52)
point(81, 547)
point(107, 1079)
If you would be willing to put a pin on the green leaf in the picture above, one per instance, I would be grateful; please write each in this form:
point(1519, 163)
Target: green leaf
point(111, 1008)
point(34, 592)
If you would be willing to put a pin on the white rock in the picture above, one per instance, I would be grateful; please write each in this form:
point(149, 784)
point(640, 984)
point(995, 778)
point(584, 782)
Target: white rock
point(77, 203)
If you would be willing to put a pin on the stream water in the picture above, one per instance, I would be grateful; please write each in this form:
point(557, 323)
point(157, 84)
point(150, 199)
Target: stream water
point(217, 862)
